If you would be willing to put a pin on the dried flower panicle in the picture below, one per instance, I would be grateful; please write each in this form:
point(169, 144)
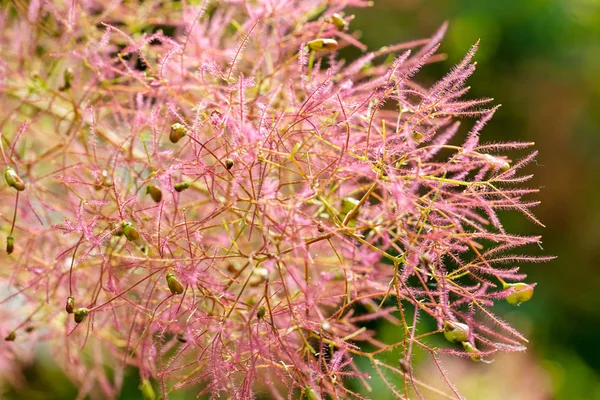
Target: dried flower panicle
point(310, 198)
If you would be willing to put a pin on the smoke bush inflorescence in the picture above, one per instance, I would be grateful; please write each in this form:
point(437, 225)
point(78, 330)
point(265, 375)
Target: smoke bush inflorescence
point(224, 203)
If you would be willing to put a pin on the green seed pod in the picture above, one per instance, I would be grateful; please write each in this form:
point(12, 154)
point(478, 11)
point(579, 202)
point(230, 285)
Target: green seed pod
point(262, 311)
point(147, 390)
point(11, 336)
point(174, 285)
point(417, 136)
point(339, 22)
point(10, 244)
point(181, 337)
point(228, 163)
point(180, 187)
point(521, 292)
point(473, 352)
point(322, 44)
point(68, 78)
point(13, 179)
point(177, 132)
point(348, 204)
point(80, 314)
point(70, 306)
point(130, 232)
point(456, 332)
point(154, 192)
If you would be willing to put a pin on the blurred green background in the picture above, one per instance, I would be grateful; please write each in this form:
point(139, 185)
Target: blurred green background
point(540, 59)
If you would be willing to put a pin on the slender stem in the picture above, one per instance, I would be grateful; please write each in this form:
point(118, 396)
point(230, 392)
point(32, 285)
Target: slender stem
point(12, 228)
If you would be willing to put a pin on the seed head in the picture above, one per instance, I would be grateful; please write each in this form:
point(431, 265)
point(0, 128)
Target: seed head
point(178, 131)
point(322, 44)
point(80, 314)
point(13, 180)
point(70, 306)
point(174, 285)
point(456, 332)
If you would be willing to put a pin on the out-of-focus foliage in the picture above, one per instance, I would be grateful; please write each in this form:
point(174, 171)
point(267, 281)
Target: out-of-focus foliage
point(540, 59)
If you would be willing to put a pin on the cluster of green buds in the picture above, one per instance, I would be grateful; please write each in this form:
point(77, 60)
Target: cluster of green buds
point(154, 192)
point(178, 131)
point(321, 44)
point(13, 180)
point(174, 285)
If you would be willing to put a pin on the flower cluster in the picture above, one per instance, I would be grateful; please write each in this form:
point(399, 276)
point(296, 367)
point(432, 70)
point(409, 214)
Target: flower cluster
point(223, 202)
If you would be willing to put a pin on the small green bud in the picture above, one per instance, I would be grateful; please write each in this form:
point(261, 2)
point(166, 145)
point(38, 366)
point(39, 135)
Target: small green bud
point(339, 22)
point(68, 78)
point(473, 352)
point(228, 163)
point(10, 244)
point(521, 292)
point(322, 44)
point(262, 311)
point(174, 285)
point(11, 336)
point(13, 179)
point(417, 136)
point(180, 187)
point(251, 301)
point(147, 390)
point(154, 192)
point(130, 232)
point(177, 132)
point(80, 314)
point(456, 332)
point(70, 306)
